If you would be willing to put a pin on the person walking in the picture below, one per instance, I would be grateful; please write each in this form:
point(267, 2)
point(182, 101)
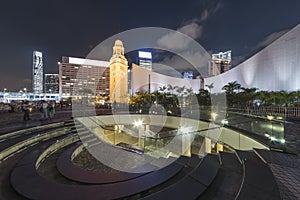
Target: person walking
point(52, 110)
point(45, 110)
point(25, 109)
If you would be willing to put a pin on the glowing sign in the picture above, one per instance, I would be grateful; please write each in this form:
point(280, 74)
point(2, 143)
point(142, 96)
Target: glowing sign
point(222, 55)
point(144, 54)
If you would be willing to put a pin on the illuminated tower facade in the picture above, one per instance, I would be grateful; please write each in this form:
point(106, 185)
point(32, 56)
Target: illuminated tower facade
point(118, 68)
point(37, 78)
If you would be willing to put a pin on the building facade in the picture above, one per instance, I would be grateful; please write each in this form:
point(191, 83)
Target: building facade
point(145, 80)
point(118, 75)
point(37, 69)
point(80, 77)
point(51, 83)
point(220, 63)
point(274, 68)
point(145, 59)
point(187, 75)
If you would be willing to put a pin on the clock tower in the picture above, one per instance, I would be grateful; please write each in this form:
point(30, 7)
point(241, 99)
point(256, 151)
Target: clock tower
point(118, 75)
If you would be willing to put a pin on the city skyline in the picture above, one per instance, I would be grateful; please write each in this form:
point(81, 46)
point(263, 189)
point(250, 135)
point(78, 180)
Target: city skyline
point(59, 30)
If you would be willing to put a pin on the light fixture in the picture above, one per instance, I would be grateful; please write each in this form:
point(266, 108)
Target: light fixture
point(138, 123)
point(184, 130)
point(282, 140)
point(270, 117)
point(214, 116)
point(267, 135)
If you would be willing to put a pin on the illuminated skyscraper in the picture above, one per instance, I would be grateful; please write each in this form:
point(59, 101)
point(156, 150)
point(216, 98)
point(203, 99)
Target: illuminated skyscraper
point(220, 63)
point(145, 60)
point(78, 74)
point(51, 83)
point(37, 78)
point(187, 75)
point(118, 75)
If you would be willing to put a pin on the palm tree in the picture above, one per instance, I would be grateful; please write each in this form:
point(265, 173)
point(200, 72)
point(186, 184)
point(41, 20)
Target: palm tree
point(171, 89)
point(163, 93)
point(295, 97)
point(210, 86)
point(180, 93)
point(248, 95)
point(203, 97)
point(231, 87)
point(285, 97)
point(263, 96)
point(162, 89)
point(232, 97)
point(189, 95)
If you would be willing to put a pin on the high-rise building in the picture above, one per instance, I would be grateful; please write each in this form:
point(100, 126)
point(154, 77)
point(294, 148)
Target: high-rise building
point(118, 75)
point(78, 77)
point(145, 59)
point(37, 77)
point(187, 75)
point(51, 84)
point(220, 63)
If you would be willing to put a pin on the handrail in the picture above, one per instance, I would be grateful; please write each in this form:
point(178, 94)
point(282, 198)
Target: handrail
point(30, 130)
point(16, 147)
point(243, 180)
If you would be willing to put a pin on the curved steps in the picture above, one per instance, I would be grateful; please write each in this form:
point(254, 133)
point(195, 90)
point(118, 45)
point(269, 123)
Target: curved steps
point(243, 175)
point(24, 177)
point(67, 168)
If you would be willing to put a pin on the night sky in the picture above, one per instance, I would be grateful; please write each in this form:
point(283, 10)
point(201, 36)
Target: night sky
point(73, 28)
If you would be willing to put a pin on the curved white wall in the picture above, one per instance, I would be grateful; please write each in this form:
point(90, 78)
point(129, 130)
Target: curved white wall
point(275, 68)
point(140, 80)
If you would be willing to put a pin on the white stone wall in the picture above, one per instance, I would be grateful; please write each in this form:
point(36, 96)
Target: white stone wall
point(140, 81)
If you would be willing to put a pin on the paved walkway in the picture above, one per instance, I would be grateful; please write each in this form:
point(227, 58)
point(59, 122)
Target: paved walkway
point(286, 168)
point(14, 121)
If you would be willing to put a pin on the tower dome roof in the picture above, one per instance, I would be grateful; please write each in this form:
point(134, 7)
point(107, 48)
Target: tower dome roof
point(118, 43)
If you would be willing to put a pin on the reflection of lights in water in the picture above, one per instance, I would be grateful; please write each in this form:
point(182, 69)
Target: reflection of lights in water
point(274, 127)
point(281, 140)
point(274, 139)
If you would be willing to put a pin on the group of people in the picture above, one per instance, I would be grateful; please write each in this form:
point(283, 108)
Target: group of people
point(47, 110)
